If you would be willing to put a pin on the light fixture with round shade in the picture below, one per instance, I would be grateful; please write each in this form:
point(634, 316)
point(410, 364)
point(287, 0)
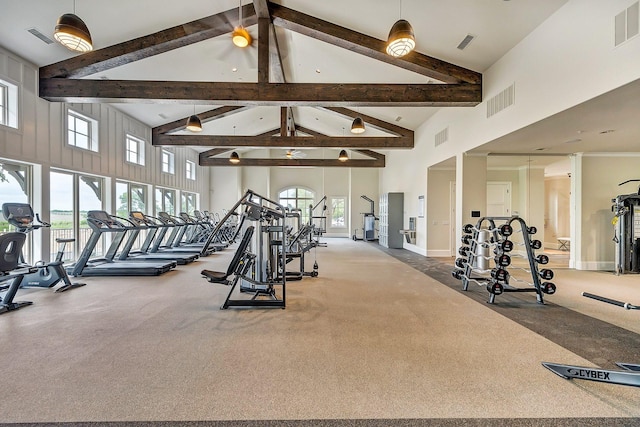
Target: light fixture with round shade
point(357, 126)
point(401, 39)
point(194, 124)
point(72, 33)
point(241, 37)
point(234, 158)
point(343, 157)
point(289, 154)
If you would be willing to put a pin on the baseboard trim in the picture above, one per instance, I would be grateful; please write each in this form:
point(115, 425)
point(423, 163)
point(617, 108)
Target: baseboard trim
point(438, 253)
point(415, 249)
point(595, 265)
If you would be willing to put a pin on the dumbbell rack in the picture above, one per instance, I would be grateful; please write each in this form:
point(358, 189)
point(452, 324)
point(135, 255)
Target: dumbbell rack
point(498, 282)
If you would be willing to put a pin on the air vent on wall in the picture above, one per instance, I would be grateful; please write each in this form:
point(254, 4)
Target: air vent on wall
point(504, 99)
point(627, 24)
point(39, 35)
point(442, 136)
point(465, 42)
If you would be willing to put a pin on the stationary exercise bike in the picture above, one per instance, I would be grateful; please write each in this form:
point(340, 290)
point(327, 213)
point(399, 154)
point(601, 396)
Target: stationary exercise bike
point(48, 274)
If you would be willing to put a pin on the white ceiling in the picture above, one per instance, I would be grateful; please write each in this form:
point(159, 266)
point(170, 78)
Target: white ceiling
point(497, 25)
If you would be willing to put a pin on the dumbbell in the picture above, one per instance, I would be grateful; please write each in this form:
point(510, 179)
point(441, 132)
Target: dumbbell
point(499, 274)
point(504, 246)
point(457, 274)
point(502, 260)
point(542, 259)
point(536, 244)
point(461, 262)
point(548, 288)
point(504, 230)
point(546, 274)
point(532, 230)
point(464, 250)
point(495, 288)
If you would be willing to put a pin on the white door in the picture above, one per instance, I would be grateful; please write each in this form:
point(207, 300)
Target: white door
point(498, 199)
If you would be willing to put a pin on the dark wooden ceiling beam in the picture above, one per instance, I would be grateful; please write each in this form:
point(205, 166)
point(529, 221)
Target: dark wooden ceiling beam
point(285, 94)
point(321, 163)
point(370, 121)
point(268, 141)
point(150, 45)
point(262, 8)
point(207, 116)
point(263, 50)
point(369, 46)
point(371, 154)
point(213, 152)
point(277, 67)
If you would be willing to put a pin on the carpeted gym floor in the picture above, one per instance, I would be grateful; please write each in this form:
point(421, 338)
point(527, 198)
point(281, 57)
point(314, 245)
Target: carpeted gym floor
point(380, 338)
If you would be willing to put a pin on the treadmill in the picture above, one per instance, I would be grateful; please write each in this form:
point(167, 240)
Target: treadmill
point(166, 223)
point(101, 222)
point(145, 222)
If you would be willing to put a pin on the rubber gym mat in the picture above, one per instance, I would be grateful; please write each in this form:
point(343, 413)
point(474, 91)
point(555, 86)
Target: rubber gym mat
point(600, 342)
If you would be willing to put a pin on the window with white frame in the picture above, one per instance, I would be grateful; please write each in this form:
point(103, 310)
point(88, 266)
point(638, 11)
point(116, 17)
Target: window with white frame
point(191, 170)
point(168, 162)
point(8, 104)
point(188, 202)
point(134, 147)
point(82, 131)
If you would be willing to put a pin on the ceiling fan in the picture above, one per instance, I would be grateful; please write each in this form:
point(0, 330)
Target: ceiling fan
point(242, 42)
point(295, 154)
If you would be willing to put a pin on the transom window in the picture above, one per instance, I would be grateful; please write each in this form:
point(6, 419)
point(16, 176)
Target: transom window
point(134, 150)
point(168, 162)
point(8, 104)
point(82, 131)
point(297, 198)
point(191, 170)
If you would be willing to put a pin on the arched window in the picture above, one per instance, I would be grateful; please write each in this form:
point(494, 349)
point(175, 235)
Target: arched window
point(297, 198)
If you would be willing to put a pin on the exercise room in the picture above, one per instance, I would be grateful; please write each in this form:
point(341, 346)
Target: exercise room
point(290, 213)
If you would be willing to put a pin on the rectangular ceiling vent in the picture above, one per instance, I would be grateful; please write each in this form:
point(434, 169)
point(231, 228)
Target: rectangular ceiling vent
point(465, 42)
point(442, 136)
point(627, 24)
point(39, 35)
point(503, 100)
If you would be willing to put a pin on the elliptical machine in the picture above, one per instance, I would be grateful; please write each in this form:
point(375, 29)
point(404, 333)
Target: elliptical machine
point(48, 274)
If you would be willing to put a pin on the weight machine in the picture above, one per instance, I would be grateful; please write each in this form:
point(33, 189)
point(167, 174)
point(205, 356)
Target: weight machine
point(626, 220)
point(260, 262)
point(319, 222)
point(368, 223)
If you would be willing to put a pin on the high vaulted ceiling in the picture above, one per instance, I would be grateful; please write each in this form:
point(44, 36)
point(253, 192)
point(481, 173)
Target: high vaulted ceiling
point(497, 26)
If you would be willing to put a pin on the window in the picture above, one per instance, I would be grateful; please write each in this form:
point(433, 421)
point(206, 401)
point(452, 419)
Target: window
point(165, 201)
point(130, 197)
point(338, 212)
point(8, 104)
point(72, 195)
point(134, 150)
point(188, 202)
point(168, 160)
point(82, 132)
point(297, 198)
point(191, 170)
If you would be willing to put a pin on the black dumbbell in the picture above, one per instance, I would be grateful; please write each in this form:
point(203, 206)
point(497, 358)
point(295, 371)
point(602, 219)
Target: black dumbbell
point(548, 288)
point(457, 274)
point(461, 262)
point(546, 274)
point(506, 245)
point(532, 230)
point(464, 250)
point(502, 260)
point(542, 259)
point(536, 244)
point(499, 274)
point(495, 288)
point(468, 228)
point(466, 239)
point(505, 230)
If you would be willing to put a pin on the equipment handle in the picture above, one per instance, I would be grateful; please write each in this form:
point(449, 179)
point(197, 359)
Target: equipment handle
point(624, 305)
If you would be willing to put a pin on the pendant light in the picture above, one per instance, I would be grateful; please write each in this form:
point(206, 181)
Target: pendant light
point(343, 157)
point(240, 36)
point(72, 33)
point(401, 38)
point(357, 126)
point(194, 124)
point(234, 158)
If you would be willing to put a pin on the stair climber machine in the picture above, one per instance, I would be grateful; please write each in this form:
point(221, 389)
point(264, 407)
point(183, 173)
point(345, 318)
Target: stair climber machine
point(259, 264)
point(46, 274)
point(626, 220)
point(368, 224)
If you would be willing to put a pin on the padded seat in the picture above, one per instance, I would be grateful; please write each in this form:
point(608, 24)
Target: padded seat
point(221, 277)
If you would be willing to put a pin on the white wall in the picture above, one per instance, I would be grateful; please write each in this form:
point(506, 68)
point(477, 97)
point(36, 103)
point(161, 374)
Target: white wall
point(40, 140)
point(568, 59)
